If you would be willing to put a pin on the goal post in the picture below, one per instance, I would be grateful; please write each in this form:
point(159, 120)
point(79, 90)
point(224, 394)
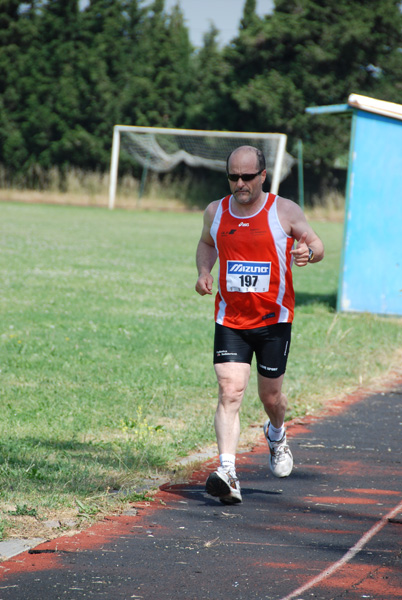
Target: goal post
point(161, 149)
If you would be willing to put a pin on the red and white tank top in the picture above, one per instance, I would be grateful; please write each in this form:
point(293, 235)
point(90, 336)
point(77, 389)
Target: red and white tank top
point(255, 286)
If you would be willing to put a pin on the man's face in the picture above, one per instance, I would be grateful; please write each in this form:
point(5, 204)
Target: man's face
point(245, 192)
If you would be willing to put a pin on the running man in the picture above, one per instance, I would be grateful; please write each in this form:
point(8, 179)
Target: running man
point(252, 233)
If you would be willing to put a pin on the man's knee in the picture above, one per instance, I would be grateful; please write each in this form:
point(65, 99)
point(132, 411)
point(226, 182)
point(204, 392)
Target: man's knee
point(230, 393)
point(274, 399)
point(232, 377)
point(270, 390)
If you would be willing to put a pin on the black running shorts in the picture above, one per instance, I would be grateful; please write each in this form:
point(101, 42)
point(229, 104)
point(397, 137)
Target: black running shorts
point(270, 345)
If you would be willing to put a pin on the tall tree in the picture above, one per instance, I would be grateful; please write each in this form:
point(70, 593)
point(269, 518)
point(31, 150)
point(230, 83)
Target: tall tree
point(17, 34)
point(159, 88)
point(249, 18)
point(207, 102)
point(111, 33)
point(62, 97)
point(315, 52)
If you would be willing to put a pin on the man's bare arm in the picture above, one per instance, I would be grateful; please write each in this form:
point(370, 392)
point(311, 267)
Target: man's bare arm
point(206, 253)
point(294, 222)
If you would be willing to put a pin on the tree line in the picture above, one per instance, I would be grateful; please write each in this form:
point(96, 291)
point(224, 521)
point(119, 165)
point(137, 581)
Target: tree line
point(68, 74)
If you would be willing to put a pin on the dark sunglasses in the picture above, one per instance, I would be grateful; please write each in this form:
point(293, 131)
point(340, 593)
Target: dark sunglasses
point(244, 177)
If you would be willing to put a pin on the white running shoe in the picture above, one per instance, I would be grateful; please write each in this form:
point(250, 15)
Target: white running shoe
point(224, 484)
point(281, 459)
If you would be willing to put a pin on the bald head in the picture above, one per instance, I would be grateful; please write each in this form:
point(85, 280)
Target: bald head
point(244, 151)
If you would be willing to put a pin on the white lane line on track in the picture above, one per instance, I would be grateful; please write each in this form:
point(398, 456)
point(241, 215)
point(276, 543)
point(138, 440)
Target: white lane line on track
point(348, 556)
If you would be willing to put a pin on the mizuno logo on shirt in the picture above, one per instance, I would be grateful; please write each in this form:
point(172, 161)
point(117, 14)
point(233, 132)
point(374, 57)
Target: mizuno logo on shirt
point(235, 266)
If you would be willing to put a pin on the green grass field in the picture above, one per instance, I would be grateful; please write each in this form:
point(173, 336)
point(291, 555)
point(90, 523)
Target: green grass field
point(106, 353)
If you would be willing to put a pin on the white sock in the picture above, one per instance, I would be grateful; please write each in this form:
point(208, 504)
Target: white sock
point(227, 461)
point(276, 434)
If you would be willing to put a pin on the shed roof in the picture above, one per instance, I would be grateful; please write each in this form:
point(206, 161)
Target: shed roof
point(380, 107)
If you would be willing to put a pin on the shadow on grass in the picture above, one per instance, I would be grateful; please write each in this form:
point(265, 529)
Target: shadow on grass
point(72, 466)
point(305, 298)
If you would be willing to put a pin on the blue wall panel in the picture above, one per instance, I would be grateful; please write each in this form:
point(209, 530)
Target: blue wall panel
point(371, 272)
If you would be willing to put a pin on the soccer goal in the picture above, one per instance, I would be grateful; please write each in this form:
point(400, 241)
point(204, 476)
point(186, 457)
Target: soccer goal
point(162, 149)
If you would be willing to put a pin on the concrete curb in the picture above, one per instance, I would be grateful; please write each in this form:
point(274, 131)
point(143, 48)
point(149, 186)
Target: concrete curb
point(11, 548)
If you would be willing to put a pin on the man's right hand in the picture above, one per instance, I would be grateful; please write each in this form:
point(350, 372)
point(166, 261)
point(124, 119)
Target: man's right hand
point(204, 284)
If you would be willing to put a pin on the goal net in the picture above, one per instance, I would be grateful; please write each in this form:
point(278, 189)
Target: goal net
point(162, 149)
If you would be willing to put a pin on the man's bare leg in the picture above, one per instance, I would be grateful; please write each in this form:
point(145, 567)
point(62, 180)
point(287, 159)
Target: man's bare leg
point(232, 380)
point(275, 403)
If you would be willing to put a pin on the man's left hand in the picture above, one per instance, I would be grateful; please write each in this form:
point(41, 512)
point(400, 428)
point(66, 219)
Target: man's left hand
point(301, 252)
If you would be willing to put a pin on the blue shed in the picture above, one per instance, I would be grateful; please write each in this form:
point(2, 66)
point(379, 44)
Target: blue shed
point(371, 266)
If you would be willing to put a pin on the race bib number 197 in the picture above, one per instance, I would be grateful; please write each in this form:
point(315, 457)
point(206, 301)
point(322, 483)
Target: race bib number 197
point(247, 276)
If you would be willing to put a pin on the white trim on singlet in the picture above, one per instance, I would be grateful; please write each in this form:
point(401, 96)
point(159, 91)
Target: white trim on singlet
point(215, 223)
point(280, 238)
point(246, 216)
point(214, 232)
